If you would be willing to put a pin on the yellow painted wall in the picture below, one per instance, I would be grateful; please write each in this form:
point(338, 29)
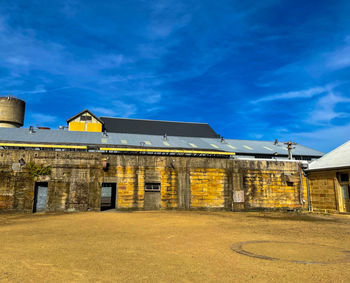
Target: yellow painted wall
point(94, 127)
point(77, 126)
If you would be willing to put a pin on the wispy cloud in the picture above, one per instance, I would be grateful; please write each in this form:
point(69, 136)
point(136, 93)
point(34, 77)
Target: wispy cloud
point(339, 58)
point(123, 109)
point(240, 67)
point(101, 111)
point(327, 138)
point(305, 93)
point(324, 110)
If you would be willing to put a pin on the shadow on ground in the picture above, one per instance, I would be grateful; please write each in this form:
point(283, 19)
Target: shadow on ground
point(296, 217)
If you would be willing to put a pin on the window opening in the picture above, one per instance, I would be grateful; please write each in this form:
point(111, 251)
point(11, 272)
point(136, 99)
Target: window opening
point(152, 187)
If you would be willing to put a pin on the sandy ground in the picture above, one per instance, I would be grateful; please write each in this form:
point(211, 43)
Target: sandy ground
point(174, 246)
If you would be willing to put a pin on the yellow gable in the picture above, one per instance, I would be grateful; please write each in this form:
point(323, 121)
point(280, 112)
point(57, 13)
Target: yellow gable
point(85, 122)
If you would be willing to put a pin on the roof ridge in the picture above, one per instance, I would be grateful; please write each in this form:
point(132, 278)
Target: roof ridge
point(154, 120)
point(81, 112)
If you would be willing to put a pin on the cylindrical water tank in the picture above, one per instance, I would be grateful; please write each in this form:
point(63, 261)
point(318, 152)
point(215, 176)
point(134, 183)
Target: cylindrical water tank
point(11, 112)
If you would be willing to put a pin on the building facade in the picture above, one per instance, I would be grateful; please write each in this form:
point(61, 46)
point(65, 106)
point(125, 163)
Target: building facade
point(37, 180)
point(114, 163)
point(329, 181)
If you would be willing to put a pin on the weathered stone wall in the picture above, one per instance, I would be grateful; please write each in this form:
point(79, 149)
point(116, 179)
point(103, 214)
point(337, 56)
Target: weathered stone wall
point(324, 190)
point(273, 184)
point(186, 183)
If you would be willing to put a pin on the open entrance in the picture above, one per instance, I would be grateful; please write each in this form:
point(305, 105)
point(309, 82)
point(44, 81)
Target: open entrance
point(40, 196)
point(108, 196)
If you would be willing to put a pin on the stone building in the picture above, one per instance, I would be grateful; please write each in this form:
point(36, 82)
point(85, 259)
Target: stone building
point(145, 164)
point(329, 180)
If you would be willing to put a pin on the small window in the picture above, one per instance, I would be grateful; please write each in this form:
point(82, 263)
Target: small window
point(152, 187)
point(85, 118)
point(344, 177)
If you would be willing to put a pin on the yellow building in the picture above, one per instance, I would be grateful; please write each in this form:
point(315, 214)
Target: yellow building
point(85, 121)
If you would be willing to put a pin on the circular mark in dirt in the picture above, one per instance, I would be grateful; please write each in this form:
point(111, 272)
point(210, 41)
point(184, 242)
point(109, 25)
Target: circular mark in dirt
point(292, 252)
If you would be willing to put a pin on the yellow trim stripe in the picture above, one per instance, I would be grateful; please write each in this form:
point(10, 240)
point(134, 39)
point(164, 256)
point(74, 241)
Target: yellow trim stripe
point(165, 150)
point(117, 148)
point(43, 145)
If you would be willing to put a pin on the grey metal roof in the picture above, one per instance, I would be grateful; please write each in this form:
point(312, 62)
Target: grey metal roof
point(22, 135)
point(155, 127)
point(337, 158)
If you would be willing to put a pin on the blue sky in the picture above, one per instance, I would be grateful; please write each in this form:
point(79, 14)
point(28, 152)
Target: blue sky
point(251, 69)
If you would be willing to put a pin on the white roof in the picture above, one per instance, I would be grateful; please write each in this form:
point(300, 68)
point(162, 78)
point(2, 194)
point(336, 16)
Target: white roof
point(339, 157)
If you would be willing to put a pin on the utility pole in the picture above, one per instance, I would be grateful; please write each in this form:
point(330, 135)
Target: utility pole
point(290, 148)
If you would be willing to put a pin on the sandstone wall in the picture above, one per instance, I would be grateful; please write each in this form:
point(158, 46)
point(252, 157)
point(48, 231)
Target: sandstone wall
point(324, 191)
point(186, 183)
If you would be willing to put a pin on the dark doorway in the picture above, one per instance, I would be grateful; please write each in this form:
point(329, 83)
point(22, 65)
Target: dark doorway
point(108, 196)
point(40, 196)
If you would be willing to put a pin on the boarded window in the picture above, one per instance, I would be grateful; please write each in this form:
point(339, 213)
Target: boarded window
point(85, 118)
point(152, 187)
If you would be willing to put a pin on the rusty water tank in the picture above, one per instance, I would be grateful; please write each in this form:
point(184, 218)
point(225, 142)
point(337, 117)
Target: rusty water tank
point(11, 112)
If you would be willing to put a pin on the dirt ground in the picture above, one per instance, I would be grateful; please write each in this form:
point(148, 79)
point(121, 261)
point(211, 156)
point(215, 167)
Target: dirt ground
point(174, 246)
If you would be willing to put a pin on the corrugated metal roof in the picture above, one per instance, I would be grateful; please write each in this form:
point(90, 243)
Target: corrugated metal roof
point(155, 127)
point(337, 158)
point(152, 141)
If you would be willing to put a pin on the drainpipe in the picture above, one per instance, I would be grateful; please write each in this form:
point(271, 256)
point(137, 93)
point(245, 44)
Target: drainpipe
point(308, 193)
point(301, 188)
